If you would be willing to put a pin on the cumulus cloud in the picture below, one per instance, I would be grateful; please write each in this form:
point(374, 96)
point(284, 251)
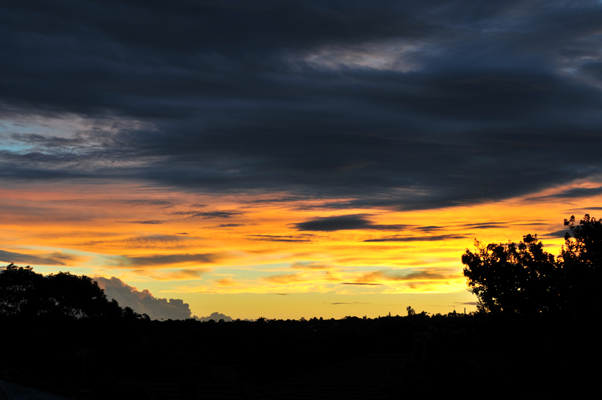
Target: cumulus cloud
point(215, 316)
point(143, 302)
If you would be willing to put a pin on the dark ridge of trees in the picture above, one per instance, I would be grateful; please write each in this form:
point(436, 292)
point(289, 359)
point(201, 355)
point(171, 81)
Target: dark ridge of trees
point(523, 279)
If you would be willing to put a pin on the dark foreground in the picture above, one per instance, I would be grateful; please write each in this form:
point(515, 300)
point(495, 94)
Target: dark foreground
point(352, 358)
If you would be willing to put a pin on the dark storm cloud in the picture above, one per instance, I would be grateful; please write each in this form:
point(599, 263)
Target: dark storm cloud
point(390, 104)
point(344, 222)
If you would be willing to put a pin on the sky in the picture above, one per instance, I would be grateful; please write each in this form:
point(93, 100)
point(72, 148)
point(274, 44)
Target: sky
point(288, 159)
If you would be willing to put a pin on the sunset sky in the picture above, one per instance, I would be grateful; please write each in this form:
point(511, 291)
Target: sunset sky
point(288, 159)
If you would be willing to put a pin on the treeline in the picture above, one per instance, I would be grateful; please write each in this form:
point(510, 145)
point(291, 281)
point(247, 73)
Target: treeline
point(99, 360)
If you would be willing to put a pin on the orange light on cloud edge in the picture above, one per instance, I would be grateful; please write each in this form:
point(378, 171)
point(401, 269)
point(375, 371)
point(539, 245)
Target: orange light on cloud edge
point(248, 257)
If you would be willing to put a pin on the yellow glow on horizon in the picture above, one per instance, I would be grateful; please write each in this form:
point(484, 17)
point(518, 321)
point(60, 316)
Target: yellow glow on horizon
point(192, 246)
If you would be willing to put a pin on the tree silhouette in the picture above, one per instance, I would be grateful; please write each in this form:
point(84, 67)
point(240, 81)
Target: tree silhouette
point(512, 278)
point(25, 293)
point(79, 297)
point(21, 291)
point(522, 278)
point(581, 263)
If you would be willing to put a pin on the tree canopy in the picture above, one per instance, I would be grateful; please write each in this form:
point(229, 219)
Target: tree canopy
point(25, 293)
point(522, 278)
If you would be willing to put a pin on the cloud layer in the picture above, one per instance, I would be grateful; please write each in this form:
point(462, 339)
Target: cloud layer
point(397, 104)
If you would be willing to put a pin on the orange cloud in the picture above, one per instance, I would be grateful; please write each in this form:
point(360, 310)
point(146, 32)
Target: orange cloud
point(183, 274)
point(227, 282)
point(418, 275)
point(286, 279)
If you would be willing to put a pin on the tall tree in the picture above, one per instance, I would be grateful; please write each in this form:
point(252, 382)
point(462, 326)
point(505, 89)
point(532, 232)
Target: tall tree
point(524, 279)
point(512, 278)
point(581, 262)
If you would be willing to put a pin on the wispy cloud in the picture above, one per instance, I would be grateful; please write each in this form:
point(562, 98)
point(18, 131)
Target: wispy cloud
point(163, 260)
point(146, 222)
point(280, 238)
point(417, 238)
point(286, 279)
point(55, 258)
point(418, 275)
point(310, 266)
point(208, 214)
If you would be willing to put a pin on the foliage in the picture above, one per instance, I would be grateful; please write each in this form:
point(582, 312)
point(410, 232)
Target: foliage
point(511, 278)
point(25, 293)
point(21, 291)
point(581, 263)
point(523, 279)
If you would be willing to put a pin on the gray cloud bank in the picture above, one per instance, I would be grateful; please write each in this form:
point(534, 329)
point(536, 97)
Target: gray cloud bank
point(399, 104)
point(56, 258)
point(143, 302)
point(215, 316)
